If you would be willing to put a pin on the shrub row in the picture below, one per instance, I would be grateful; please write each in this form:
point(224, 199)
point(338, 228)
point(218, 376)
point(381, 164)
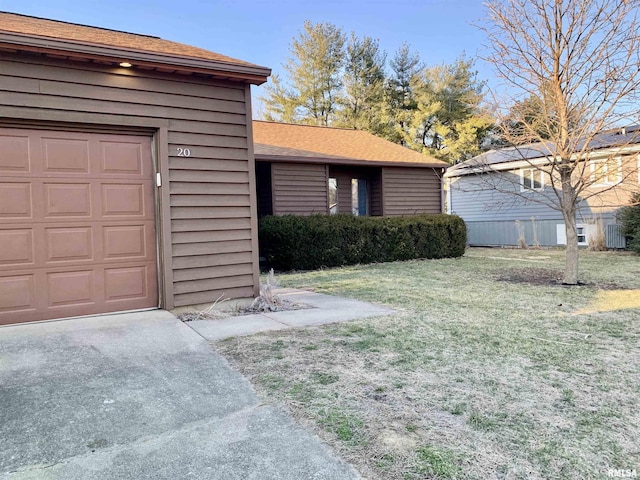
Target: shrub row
point(629, 217)
point(305, 243)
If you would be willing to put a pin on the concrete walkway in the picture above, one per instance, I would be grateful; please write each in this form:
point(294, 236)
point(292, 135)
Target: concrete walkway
point(141, 396)
point(323, 309)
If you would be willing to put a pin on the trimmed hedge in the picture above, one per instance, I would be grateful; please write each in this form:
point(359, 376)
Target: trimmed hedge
point(292, 242)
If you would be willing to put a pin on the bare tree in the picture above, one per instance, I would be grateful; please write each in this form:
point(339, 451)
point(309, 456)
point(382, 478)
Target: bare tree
point(581, 59)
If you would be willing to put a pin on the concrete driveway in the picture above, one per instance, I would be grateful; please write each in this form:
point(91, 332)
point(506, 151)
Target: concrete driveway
point(140, 396)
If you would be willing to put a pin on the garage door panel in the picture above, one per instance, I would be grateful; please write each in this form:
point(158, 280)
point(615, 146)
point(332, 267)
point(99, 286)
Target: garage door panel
point(67, 199)
point(16, 247)
point(17, 292)
point(119, 200)
point(69, 244)
point(126, 241)
point(15, 200)
point(71, 288)
point(122, 158)
point(126, 283)
point(66, 155)
point(77, 228)
point(15, 153)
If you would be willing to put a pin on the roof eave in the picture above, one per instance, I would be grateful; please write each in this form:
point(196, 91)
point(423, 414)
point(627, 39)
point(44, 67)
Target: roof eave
point(344, 161)
point(517, 163)
point(253, 74)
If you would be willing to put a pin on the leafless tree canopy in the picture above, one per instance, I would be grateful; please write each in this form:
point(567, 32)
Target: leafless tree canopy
point(573, 66)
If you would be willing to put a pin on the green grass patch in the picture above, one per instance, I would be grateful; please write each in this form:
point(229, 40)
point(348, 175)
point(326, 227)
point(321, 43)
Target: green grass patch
point(435, 462)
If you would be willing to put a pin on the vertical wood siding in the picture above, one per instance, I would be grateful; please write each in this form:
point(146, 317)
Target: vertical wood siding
point(410, 191)
point(209, 190)
point(299, 189)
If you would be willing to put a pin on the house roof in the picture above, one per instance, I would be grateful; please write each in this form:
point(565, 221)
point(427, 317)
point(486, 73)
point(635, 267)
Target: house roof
point(533, 151)
point(23, 32)
point(307, 143)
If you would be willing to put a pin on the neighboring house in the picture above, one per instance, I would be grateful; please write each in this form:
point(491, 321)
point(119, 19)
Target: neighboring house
point(126, 172)
point(496, 189)
point(302, 170)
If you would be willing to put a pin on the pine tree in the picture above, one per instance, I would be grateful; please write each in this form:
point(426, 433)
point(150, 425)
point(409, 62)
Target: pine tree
point(364, 75)
point(315, 75)
point(400, 98)
point(449, 121)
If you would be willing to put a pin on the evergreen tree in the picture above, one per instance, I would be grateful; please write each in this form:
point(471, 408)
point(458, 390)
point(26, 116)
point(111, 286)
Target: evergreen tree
point(400, 98)
point(449, 121)
point(315, 75)
point(364, 75)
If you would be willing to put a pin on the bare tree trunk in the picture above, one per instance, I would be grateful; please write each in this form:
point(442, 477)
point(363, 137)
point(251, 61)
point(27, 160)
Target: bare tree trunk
point(569, 215)
point(571, 254)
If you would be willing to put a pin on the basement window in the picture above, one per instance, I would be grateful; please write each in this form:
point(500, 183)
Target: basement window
point(581, 230)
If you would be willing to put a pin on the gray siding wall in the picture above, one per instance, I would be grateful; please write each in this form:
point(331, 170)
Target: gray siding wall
point(489, 197)
point(210, 198)
point(505, 232)
point(410, 191)
point(485, 197)
point(299, 189)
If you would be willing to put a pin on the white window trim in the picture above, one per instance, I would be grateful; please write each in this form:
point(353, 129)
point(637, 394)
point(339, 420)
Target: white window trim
point(561, 237)
point(584, 230)
point(593, 163)
point(533, 172)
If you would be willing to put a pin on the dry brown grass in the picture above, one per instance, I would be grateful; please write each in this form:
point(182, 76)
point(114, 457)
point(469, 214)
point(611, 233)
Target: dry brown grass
point(478, 377)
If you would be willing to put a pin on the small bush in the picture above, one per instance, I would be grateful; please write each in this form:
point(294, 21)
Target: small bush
point(306, 243)
point(629, 217)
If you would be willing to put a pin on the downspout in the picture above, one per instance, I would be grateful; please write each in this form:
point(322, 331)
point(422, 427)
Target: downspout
point(445, 201)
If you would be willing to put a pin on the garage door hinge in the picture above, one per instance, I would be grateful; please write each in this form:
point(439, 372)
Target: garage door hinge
point(158, 180)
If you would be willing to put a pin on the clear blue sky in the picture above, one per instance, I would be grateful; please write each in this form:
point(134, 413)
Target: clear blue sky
point(259, 31)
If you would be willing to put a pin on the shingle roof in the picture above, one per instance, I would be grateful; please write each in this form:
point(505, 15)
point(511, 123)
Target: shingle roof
point(305, 141)
point(532, 151)
point(45, 28)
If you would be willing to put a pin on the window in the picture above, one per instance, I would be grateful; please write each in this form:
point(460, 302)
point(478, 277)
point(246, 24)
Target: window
point(333, 196)
point(359, 197)
point(582, 231)
point(531, 179)
point(606, 171)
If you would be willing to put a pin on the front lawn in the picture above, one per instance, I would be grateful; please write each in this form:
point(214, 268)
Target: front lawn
point(490, 368)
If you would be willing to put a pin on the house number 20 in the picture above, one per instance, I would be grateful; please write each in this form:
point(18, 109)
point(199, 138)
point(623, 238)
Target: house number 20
point(183, 152)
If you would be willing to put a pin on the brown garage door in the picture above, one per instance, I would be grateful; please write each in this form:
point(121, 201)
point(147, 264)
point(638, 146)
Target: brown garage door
point(77, 233)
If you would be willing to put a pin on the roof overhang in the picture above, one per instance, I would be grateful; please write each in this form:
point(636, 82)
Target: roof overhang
point(252, 74)
point(343, 161)
point(538, 162)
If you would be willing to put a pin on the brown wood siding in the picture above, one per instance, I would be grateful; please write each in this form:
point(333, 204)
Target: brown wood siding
point(299, 189)
point(409, 191)
point(210, 201)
